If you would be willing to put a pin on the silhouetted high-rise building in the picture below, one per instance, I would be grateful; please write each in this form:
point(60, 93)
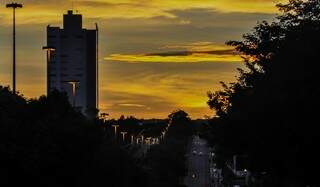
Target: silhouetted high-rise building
point(72, 62)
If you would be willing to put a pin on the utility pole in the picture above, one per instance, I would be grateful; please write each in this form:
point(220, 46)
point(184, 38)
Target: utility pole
point(14, 6)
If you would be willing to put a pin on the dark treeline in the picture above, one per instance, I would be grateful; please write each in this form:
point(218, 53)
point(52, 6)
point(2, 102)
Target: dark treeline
point(134, 126)
point(166, 163)
point(45, 142)
point(271, 113)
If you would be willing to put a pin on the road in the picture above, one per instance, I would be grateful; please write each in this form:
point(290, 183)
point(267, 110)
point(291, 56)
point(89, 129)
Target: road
point(198, 164)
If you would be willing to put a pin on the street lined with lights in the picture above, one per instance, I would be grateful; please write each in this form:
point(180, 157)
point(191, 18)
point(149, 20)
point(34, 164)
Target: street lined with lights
point(198, 164)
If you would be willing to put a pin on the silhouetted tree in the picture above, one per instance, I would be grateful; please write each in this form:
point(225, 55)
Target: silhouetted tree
point(45, 142)
point(167, 161)
point(270, 113)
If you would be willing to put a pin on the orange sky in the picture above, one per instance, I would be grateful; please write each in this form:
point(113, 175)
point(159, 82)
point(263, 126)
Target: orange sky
point(156, 55)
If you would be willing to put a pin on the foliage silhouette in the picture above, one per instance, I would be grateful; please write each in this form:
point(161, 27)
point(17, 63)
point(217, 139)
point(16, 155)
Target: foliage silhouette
point(270, 113)
point(45, 142)
point(166, 161)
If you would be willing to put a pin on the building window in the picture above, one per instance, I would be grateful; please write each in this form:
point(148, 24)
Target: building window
point(52, 75)
point(52, 36)
point(64, 75)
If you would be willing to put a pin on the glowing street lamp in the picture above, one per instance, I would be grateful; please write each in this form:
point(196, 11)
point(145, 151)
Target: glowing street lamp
point(123, 135)
point(163, 133)
point(132, 139)
point(14, 6)
point(115, 129)
point(50, 51)
point(74, 84)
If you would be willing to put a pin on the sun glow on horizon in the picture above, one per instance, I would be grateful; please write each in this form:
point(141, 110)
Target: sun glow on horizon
point(156, 55)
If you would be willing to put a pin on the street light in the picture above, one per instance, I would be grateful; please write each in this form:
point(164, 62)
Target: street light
point(123, 135)
point(115, 129)
point(50, 51)
point(14, 6)
point(132, 138)
point(163, 134)
point(74, 84)
point(142, 139)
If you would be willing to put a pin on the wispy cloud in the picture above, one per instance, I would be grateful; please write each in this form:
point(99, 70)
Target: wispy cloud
point(194, 52)
point(161, 87)
point(132, 105)
point(199, 46)
point(44, 11)
point(191, 58)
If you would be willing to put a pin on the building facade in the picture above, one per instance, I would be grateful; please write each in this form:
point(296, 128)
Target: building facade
point(72, 62)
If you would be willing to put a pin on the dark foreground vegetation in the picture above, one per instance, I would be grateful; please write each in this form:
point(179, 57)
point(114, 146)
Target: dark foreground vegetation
point(166, 162)
point(270, 114)
point(45, 142)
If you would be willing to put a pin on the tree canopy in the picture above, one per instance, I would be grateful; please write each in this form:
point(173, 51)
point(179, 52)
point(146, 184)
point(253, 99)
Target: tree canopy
point(270, 112)
point(45, 142)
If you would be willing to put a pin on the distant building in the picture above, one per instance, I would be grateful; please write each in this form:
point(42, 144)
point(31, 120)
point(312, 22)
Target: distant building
point(72, 67)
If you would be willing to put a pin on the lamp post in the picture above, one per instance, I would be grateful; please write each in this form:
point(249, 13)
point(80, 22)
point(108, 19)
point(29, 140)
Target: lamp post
point(50, 51)
point(123, 135)
point(132, 138)
point(14, 6)
point(115, 129)
point(142, 139)
point(74, 84)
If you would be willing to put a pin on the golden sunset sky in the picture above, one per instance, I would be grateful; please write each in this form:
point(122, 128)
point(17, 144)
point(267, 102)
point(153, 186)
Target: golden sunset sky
point(155, 55)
